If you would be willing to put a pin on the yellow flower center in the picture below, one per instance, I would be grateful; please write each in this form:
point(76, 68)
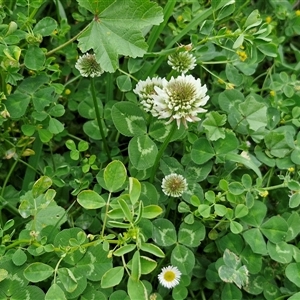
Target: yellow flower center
point(169, 276)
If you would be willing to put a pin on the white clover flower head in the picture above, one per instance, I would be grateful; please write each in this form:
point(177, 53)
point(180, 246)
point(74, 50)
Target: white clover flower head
point(169, 277)
point(174, 185)
point(88, 66)
point(181, 99)
point(182, 61)
point(145, 90)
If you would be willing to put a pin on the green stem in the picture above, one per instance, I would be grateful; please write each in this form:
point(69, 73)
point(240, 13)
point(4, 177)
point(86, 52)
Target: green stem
point(170, 203)
point(105, 216)
point(161, 151)
point(98, 117)
point(194, 23)
point(156, 31)
point(67, 43)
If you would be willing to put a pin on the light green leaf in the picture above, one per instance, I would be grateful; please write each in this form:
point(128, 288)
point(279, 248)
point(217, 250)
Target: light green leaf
point(41, 185)
point(151, 211)
point(153, 249)
point(213, 124)
point(90, 199)
point(136, 266)
point(275, 229)
point(202, 151)
point(112, 277)
point(255, 240)
point(292, 272)
point(124, 249)
point(142, 152)
point(68, 279)
point(191, 235)
point(136, 289)
point(55, 126)
point(45, 26)
point(55, 293)
point(19, 257)
point(37, 272)
point(183, 258)
point(164, 232)
point(115, 175)
point(147, 264)
point(254, 112)
point(280, 252)
point(34, 58)
point(235, 227)
point(128, 119)
point(117, 29)
point(134, 190)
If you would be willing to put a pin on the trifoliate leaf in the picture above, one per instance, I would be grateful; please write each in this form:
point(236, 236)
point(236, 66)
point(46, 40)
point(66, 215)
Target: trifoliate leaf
point(117, 29)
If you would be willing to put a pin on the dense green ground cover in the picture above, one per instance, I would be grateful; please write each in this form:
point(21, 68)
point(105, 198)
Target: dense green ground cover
point(139, 135)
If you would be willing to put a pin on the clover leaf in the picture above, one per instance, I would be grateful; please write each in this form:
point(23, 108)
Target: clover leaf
point(117, 29)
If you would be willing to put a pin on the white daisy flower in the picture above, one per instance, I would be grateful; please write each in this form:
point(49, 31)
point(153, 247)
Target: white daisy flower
point(181, 99)
point(169, 277)
point(88, 66)
point(174, 185)
point(145, 90)
point(182, 61)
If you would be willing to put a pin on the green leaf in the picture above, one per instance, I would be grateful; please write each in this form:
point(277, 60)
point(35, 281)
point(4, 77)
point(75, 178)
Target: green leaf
point(19, 257)
point(294, 200)
point(269, 49)
point(115, 175)
point(45, 26)
point(17, 104)
point(235, 227)
point(41, 185)
point(255, 240)
point(292, 272)
point(112, 277)
point(90, 199)
point(248, 162)
point(38, 271)
point(202, 151)
point(128, 119)
point(68, 279)
point(136, 266)
point(230, 291)
point(254, 112)
point(147, 265)
point(204, 210)
point(256, 214)
point(34, 58)
point(241, 210)
point(117, 29)
point(280, 252)
point(55, 126)
point(191, 235)
point(124, 249)
point(213, 124)
point(134, 190)
point(183, 258)
point(253, 20)
point(232, 73)
point(151, 211)
point(164, 232)
point(55, 293)
point(136, 289)
point(124, 83)
point(153, 249)
point(275, 229)
point(142, 152)
point(126, 210)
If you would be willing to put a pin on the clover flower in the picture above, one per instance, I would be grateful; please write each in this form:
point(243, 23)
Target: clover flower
point(145, 90)
point(88, 66)
point(182, 61)
point(181, 99)
point(174, 185)
point(169, 277)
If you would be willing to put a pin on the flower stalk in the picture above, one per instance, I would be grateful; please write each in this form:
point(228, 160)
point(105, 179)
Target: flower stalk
point(98, 118)
point(161, 151)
